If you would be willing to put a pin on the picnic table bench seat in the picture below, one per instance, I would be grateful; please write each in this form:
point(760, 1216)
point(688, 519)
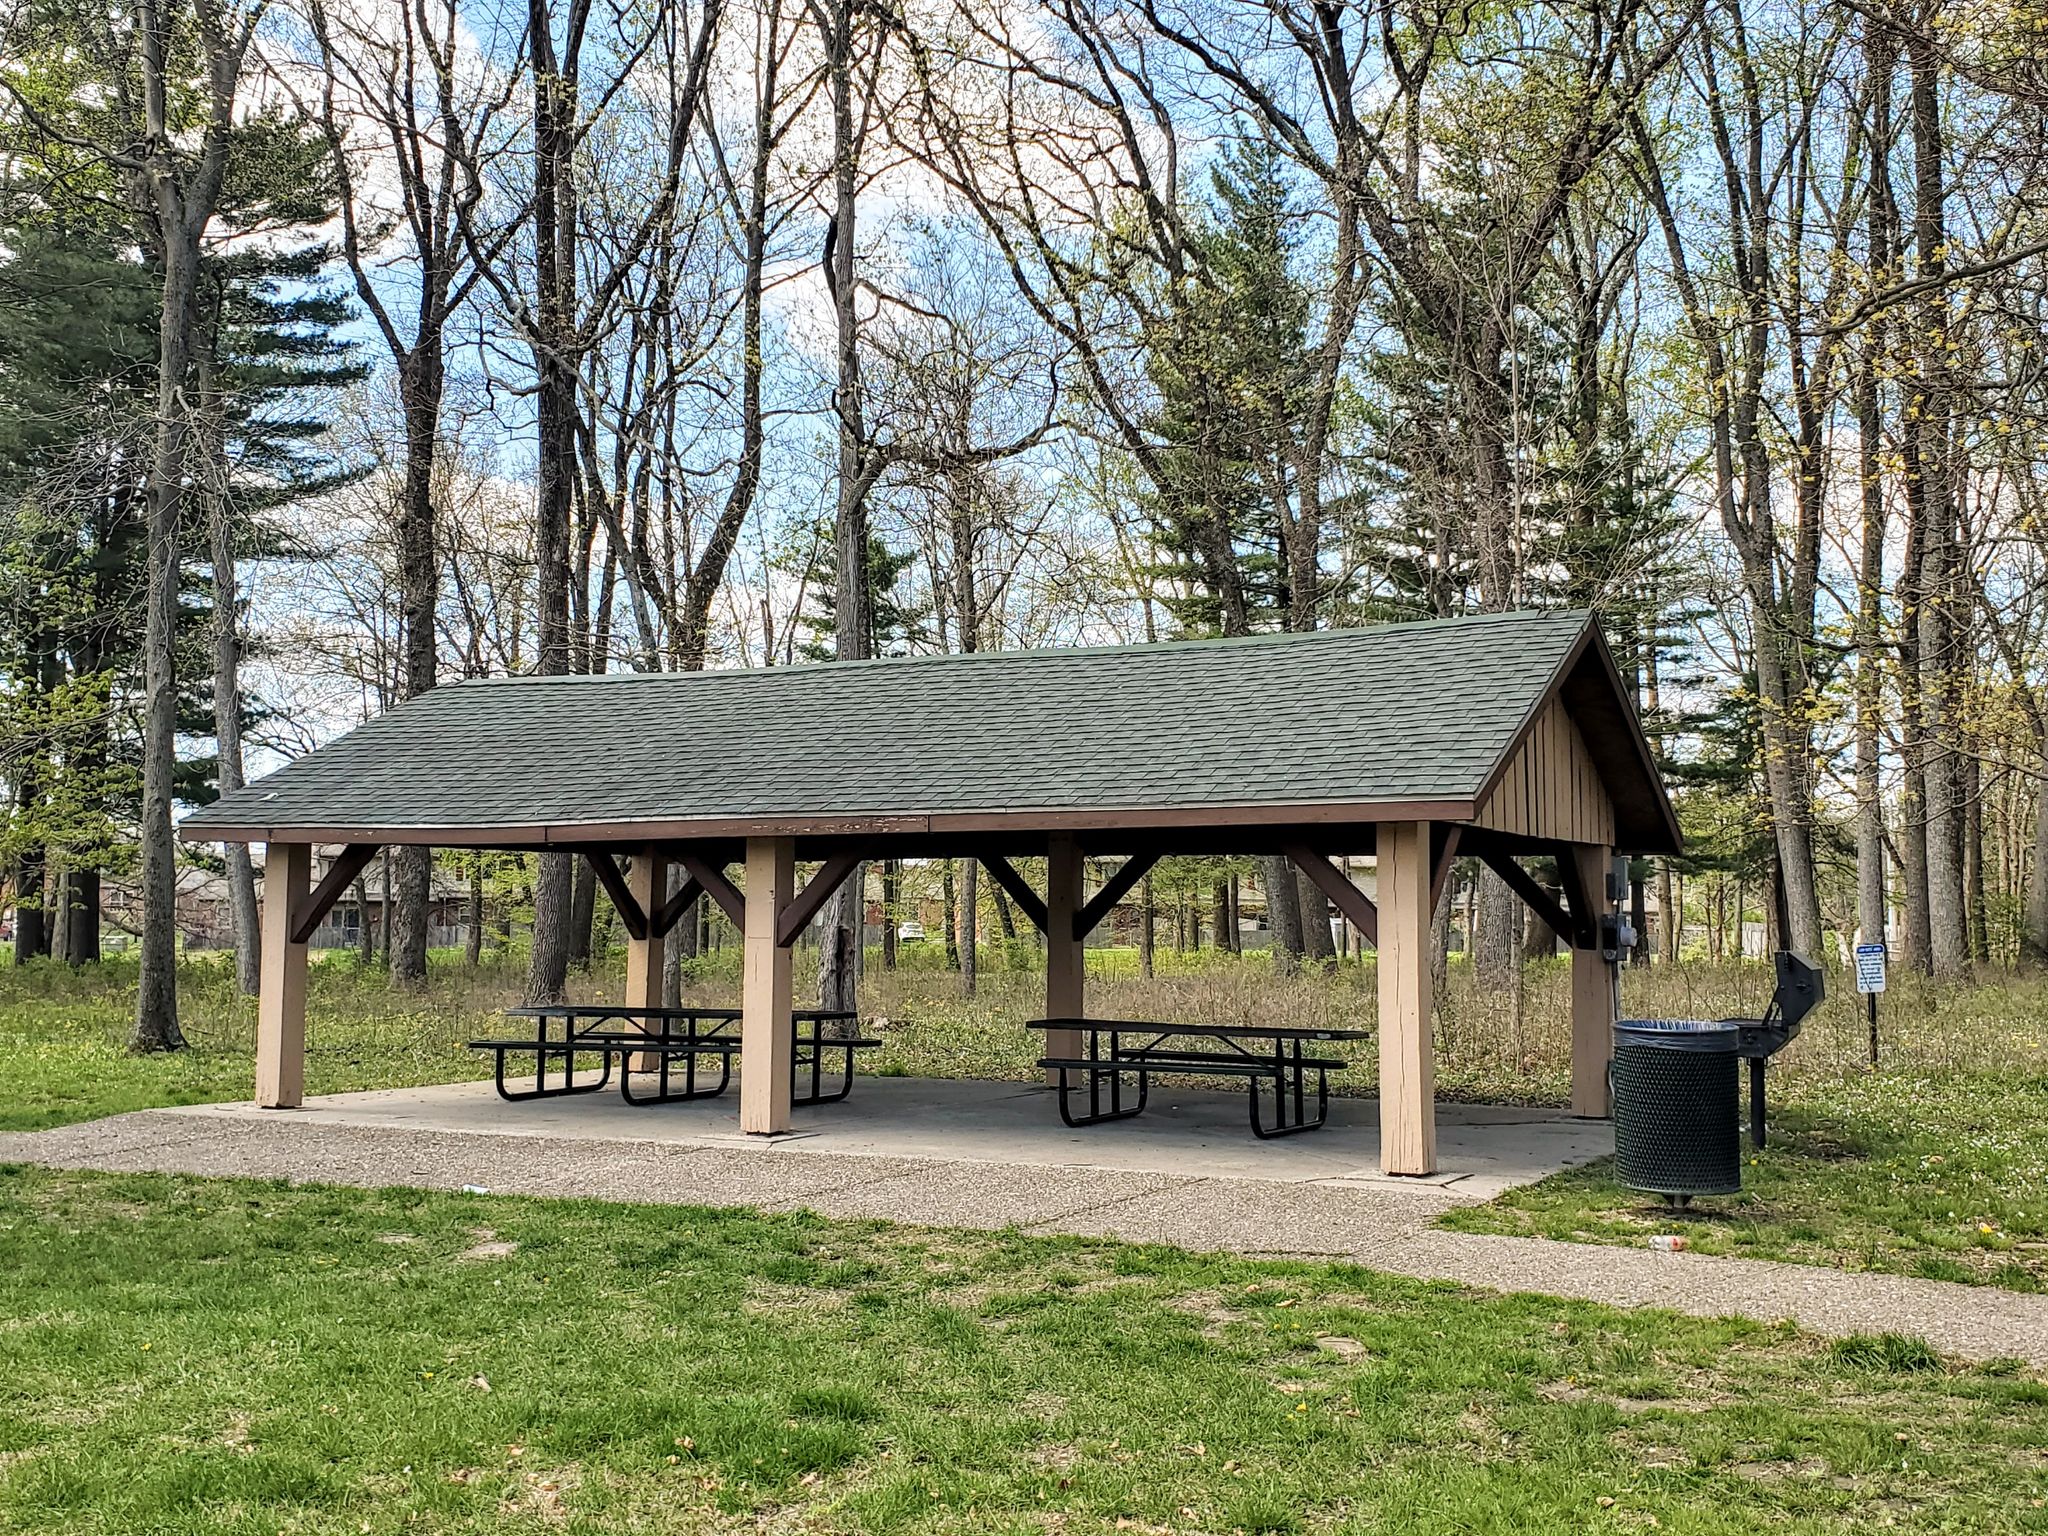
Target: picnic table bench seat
point(665, 1043)
point(1265, 1056)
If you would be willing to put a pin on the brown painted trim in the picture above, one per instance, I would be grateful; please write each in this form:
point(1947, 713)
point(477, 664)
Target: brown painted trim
point(1114, 890)
point(1029, 902)
point(716, 886)
point(1524, 885)
point(1446, 855)
point(879, 824)
point(670, 912)
point(1358, 908)
point(804, 905)
point(1585, 929)
point(352, 861)
point(614, 883)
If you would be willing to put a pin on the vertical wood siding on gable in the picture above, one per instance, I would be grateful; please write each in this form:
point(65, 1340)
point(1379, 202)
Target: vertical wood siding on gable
point(1551, 788)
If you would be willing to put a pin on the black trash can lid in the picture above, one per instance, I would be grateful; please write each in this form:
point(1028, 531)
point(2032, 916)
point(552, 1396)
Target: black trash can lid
point(1707, 1036)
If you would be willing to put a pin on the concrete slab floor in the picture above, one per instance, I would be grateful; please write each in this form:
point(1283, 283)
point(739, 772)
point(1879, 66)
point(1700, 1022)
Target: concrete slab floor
point(1185, 1132)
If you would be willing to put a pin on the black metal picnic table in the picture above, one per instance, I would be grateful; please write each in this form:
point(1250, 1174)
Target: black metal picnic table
point(649, 1035)
point(1120, 1048)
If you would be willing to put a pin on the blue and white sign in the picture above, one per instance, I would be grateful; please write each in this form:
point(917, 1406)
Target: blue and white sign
point(1869, 967)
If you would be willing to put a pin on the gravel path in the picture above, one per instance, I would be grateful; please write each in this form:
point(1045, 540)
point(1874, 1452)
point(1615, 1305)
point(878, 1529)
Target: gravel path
point(1386, 1227)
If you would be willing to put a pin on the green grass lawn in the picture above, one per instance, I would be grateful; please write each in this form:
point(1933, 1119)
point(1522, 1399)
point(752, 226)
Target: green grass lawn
point(1943, 1176)
point(63, 1039)
point(189, 1356)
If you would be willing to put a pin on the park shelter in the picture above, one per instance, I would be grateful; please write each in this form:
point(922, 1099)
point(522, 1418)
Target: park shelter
point(1495, 736)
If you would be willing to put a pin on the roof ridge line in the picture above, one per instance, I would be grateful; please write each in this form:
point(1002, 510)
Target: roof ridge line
point(1051, 652)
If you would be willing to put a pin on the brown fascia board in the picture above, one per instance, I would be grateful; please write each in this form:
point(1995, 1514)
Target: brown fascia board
point(575, 834)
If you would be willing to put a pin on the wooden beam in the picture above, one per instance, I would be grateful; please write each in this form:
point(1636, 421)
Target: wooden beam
point(1593, 999)
point(631, 913)
point(306, 914)
point(803, 906)
point(1114, 890)
point(281, 998)
point(1066, 962)
point(1407, 1060)
point(1444, 856)
point(1004, 873)
point(1579, 889)
point(1524, 885)
point(646, 949)
point(1357, 907)
point(716, 886)
point(671, 911)
point(767, 1042)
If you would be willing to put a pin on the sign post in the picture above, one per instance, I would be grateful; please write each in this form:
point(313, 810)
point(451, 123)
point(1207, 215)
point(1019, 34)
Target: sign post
point(1870, 981)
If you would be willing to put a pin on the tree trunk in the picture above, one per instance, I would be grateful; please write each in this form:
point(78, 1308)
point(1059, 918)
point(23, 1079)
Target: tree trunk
point(1283, 914)
point(31, 919)
point(970, 963)
point(1316, 943)
point(211, 448)
point(82, 932)
point(1938, 584)
point(156, 992)
point(473, 928)
point(1148, 913)
point(1880, 53)
point(582, 914)
point(366, 937)
point(948, 905)
point(1973, 856)
point(1497, 947)
point(555, 114)
point(891, 890)
point(2034, 929)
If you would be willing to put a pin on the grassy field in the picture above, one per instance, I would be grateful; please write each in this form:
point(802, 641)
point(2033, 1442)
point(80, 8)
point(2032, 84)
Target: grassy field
point(201, 1356)
point(1935, 1165)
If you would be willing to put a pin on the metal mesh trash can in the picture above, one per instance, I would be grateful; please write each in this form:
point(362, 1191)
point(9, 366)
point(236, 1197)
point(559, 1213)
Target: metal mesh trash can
point(1677, 1107)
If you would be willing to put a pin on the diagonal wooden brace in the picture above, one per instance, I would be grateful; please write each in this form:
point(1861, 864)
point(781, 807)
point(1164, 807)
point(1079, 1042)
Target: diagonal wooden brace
point(1584, 928)
point(353, 860)
point(1118, 886)
point(1445, 853)
point(614, 882)
point(1028, 902)
point(714, 884)
point(804, 905)
point(670, 912)
point(1524, 885)
point(1357, 907)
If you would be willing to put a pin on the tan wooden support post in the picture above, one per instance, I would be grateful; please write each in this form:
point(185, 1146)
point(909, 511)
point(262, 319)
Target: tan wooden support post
point(1407, 1063)
point(767, 1046)
point(1592, 991)
point(647, 880)
point(1065, 955)
point(281, 997)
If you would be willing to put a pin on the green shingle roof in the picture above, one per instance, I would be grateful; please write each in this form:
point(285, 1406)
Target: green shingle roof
point(1401, 713)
